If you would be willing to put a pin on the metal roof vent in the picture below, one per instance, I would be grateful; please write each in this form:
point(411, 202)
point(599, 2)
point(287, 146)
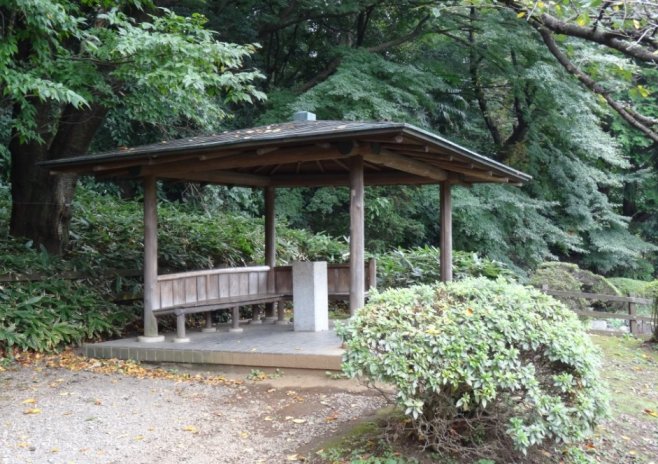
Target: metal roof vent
point(301, 116)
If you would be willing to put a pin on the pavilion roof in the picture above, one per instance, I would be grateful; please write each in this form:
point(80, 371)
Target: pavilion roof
point(305, 153)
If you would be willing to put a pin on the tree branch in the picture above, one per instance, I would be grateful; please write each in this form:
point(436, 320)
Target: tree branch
point(630, 116)
point(615, 40)
point(474, 62)
point(418, 30)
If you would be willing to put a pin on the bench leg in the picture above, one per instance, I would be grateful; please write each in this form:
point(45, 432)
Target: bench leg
point(270, 318)
point(209, 327)
point(180, 329)
point(255, 315)
point(235, 320)
point(281, 314)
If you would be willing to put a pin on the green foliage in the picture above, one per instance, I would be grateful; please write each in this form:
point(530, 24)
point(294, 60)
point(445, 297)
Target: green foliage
point(480, 366)
point(47, 315)
point(108, 231)
point(161, 70)
point(570, 278)
point(367, 86)
point(630, 287)
point(404, 268)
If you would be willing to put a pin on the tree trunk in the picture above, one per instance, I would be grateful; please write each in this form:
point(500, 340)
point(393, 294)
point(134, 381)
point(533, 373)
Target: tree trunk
point(41, 203)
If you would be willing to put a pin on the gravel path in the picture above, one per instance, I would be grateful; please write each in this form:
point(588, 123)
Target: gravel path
point(50, 415)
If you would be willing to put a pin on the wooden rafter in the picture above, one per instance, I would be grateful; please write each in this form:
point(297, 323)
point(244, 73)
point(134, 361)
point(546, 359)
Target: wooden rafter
point(402, 163)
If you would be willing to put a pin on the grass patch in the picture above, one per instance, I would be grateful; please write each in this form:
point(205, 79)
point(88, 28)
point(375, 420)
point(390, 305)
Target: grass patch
point(631, 370)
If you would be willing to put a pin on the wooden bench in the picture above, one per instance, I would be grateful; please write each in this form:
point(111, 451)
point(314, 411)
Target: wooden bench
point(216, 289)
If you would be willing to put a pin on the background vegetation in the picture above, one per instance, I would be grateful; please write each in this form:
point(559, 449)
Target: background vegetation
point(92, 76)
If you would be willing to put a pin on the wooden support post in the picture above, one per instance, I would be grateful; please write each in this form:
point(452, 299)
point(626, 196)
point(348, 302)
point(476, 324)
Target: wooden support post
point(632, 323)
point(235, 320)
point(372, 274)
point(150, 261)
point(209, 327)
point(446, 232)
point(357, 236)
point(270, 248)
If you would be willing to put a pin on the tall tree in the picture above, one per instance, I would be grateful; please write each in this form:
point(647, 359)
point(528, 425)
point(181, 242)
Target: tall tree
point(479, 75)
point(65, 66)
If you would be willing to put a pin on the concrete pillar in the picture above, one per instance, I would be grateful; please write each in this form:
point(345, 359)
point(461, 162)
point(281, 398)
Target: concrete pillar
point(181, 337)
point(235, 320)
point(310, 296)
point(209, 327)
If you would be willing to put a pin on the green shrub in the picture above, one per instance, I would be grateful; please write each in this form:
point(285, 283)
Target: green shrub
point(569, 277)
point(480, 366)
point(46, 315)
point(403, 268)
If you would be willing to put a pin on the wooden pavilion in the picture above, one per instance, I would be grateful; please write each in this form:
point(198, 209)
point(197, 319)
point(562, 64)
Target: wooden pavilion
point(302, 153)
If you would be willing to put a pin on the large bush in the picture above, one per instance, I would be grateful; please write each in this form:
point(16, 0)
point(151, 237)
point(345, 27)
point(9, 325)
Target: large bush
point(420, 265)
point(482, 367)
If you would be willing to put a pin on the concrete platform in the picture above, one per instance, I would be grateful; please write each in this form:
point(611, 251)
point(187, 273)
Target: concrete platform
point(266, 345)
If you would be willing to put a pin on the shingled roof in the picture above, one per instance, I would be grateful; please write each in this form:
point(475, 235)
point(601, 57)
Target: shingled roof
point(307, 153)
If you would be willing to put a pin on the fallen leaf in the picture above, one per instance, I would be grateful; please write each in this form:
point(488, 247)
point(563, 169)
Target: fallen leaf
point(469, 312)
point(267, 418)
point(138, 437)
point(32, 411)
point(651, 412)
point(190, 428)
point(292, 457)
point(29, 401)
point(271, 390)
point(54, 450)
point(244, 434)
point(23, 444)
point(98, 402)
point(299, 421)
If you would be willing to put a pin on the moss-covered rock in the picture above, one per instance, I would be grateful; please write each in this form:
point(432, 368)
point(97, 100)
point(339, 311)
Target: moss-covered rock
point(569, 277)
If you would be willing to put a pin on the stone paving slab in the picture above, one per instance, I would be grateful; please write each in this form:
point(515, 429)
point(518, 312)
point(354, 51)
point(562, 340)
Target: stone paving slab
point(266, 345)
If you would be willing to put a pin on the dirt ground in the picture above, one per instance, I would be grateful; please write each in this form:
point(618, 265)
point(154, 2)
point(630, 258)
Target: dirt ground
point(92, 412)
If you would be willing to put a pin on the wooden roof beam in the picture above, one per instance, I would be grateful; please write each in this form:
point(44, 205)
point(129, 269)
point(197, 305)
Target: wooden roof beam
point(224, 178)
point(333, 180)
point(383, 157)
point(253, 159)
point(159, 160)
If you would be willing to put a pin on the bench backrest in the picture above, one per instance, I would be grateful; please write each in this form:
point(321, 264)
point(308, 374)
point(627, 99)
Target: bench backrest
point(189, 288)
point(338, 278)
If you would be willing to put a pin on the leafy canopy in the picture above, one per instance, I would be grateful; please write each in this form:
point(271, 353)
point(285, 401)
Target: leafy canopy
point(159, 69)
